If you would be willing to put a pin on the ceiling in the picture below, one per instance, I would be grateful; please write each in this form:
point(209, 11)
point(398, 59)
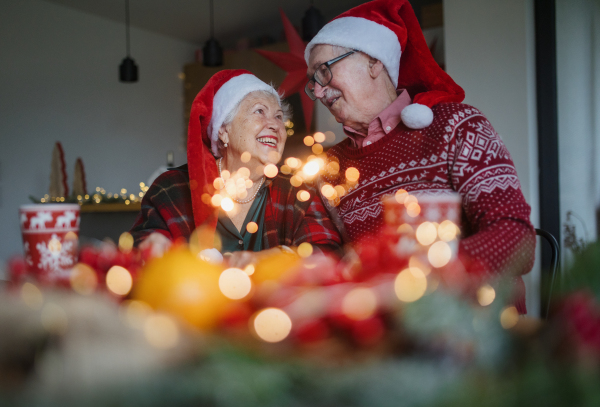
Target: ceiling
point(188, 20)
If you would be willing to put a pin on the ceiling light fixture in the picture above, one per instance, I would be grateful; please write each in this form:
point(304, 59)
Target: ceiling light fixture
point(312, 22)
point(128, 70)
point(212, 51)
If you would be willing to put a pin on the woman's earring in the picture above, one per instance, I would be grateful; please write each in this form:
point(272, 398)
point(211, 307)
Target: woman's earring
point(225, 145)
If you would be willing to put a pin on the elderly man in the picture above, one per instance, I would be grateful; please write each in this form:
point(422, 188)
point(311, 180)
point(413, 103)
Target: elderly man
point(408, 130)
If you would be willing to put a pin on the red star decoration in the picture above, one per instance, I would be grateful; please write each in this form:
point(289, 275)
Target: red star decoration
point(293, 63)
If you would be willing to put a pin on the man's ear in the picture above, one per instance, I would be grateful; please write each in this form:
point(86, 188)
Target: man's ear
point(375, 67)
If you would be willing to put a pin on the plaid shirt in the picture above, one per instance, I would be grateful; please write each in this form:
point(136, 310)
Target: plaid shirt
point(167, 209)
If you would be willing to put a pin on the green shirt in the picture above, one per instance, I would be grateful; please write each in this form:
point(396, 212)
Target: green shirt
point(233, 240)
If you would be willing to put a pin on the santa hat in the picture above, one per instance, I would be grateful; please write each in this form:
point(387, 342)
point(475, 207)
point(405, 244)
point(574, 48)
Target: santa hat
point(388, 30)
point(221, 94)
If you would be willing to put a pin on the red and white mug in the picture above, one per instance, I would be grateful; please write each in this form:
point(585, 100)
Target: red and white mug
point(50, 239)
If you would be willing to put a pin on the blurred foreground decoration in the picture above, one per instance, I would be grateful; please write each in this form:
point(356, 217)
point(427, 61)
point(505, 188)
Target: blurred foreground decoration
point(298, 329)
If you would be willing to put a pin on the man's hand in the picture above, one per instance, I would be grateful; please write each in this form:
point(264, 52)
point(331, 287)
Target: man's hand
point(157, 243)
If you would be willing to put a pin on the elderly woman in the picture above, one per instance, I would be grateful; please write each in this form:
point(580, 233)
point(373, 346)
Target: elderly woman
point(236, 129)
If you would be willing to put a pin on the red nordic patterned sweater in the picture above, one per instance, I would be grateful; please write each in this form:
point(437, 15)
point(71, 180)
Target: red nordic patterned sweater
point(460, 151)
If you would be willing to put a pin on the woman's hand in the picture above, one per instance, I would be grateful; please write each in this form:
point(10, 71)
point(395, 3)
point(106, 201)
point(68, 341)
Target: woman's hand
point(242, 259)
point(157, 243)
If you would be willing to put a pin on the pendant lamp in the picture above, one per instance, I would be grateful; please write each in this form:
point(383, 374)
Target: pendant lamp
point(312, 22)
point(128, 70)
point(212, 51)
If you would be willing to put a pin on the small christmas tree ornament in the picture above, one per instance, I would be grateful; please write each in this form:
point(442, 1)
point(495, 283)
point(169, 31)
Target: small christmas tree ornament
point(79, 184)
point(58, 174)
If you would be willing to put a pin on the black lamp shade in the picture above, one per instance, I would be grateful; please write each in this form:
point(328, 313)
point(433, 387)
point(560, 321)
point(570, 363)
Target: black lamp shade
point(128, 71)
point(212, 53)
point(312, 22)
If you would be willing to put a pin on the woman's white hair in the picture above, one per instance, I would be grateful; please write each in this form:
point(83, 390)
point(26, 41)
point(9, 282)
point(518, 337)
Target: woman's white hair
point(285, 106)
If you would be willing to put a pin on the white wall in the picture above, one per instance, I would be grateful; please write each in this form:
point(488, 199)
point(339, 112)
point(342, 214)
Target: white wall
point(59, 82)
point(578, 67)
point(490, 52)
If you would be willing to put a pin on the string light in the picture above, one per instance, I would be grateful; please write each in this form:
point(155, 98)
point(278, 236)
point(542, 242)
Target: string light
point(272, 325)
point(319, 137)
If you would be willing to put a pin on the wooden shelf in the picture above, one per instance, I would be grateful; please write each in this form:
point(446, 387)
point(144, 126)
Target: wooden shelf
point(111, 207)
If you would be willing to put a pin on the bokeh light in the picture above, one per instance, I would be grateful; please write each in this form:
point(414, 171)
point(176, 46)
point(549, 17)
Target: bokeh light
point(216, 200)
point(340, 190)
point(405, 228)
point(352, 174)
point(413, 210)
point(227, 204)
point(246, 156)
point(311, 168)
point(447, 231)
point(400, 196)
point(271, 170)
point(161, 331)
point(252, 227)
point(243, 172)
point(439, 254)
point(249, 269)
point(317, 149)
point(410, 285)
point(309, 141)
point(119, 280)
point(426, 233)
point(225, 175)
point(32, 296)
point(509, 317)
point(319, 137)
point(410, 199)
point(305, 249)
point(333, 168)
point(234, 283)
point(359, 304)
point(328, 191)
point(54, 245)
point(286, 169)
point(83, 279)
point(272, 325)
point(125, 242)
point(329, 136)
point(303, 196)
point(296, 181)
point(71, 236)
point(293, 162)
point(486, 295)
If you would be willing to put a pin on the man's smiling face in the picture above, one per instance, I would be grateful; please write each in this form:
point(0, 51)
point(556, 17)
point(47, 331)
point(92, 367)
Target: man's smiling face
point(347, 95)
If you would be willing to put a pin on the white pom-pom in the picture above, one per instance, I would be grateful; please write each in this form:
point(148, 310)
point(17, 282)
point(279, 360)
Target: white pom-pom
point(417, 116)
point(212, 256)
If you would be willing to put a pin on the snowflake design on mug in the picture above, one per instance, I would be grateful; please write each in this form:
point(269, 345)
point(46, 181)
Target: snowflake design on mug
point(56, 256)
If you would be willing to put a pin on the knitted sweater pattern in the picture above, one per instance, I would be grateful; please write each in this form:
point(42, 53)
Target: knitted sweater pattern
point(461, 152)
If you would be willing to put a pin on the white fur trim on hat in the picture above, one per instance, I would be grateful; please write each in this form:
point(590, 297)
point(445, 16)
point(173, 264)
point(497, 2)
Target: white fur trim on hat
point(227, 97)
point(417, 116)
point(375, 40)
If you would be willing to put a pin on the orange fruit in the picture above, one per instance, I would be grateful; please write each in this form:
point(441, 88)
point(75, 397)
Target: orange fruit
point(183, 285)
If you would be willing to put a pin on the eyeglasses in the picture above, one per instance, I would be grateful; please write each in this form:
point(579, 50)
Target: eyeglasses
point(323, 75)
